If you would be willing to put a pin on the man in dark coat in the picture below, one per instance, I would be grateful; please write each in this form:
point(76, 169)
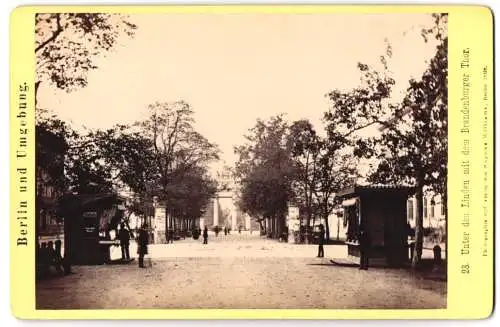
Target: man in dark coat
point(142, 245)
point(364, 247)
point(205, 235)
point(124, 236)
point(321, 241)
point(58, 255)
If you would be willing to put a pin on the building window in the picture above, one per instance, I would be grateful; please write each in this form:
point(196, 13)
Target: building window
point(410, 210)
point(432, 210)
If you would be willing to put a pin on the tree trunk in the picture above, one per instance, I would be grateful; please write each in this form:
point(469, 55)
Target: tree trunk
point(444, 202)
point(327, 228)
point(419, 226)
point(128, 225)
point(338, 229)
point(37, 85)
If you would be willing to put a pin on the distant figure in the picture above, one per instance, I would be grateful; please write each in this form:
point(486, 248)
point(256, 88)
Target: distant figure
point(225, 230)
point(52, 257)
point(170, 235)
point(364, 247)
point(58, 255)
point(321, 241)
point(205, 235)
point(239, 229)
point(142, 245)
point(411, 242)
point(124, 236)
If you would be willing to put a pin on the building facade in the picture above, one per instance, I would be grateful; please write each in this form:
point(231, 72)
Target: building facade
point(433, 211)
point(50, 152)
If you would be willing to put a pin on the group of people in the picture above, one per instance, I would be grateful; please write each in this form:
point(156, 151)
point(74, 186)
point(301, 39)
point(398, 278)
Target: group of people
point(142, 239)
point(364, 246)
point(49, 255)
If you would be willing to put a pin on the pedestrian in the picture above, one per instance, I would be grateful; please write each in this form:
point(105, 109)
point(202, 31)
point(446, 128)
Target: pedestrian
point(171, 235)
point(321, 241)
point(205, 235)
point(239, 229)
point(364, 247)
point(52, 257)
point(225, 230)
point(58, 256)
point(44, 260)
point(124, 237)
point(142, 245)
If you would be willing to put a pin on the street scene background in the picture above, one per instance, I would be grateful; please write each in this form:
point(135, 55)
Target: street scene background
point(241, 160)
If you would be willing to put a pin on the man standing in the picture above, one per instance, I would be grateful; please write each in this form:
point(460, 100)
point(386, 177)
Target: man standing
point(364, 247)
point(142, 245)
point(205, 235)
point(321, 241)
point(124, 236)
point(58, 255)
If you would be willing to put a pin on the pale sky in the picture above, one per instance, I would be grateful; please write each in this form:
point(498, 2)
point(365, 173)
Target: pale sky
point(235, 68)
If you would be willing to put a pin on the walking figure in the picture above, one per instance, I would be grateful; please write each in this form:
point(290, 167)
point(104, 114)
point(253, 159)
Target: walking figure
point(321, 241)
point(52, 257)
point(205, 235)
point(142, 245)
point(58, 256)
point(124, 236)
point(364, 247)
point(171, 236)
point(225, 230)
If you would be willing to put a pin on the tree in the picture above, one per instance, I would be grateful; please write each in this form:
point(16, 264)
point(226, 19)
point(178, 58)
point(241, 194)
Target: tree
point(415, 142)
point(66, 45)
point(334, 173)
point(413, 145)
point(129, 156)
point(178, 151)
point(265, 171)
point(190, 195)
point(305, 146)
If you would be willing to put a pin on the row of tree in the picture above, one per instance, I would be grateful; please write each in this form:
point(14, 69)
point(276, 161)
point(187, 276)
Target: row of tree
point(284, 162)
point(161, 156)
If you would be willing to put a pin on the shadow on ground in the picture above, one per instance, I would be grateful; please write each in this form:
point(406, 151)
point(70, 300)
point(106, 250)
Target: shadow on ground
point(428, 270)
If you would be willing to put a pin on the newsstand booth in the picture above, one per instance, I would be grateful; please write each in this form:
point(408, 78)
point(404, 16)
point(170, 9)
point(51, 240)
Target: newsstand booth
point(381, 210)
point(88, 222)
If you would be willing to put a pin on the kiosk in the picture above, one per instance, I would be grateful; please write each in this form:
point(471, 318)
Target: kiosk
point(381, 211)
point(89, 219)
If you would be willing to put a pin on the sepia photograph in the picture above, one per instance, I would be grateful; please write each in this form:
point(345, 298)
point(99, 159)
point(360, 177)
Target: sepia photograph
point(241, 160)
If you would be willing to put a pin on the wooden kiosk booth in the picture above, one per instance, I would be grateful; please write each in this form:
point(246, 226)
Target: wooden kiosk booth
point(88, 221)
point(381, 211)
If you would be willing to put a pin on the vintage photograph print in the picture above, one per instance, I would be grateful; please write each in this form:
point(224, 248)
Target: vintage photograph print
point(241, 160)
